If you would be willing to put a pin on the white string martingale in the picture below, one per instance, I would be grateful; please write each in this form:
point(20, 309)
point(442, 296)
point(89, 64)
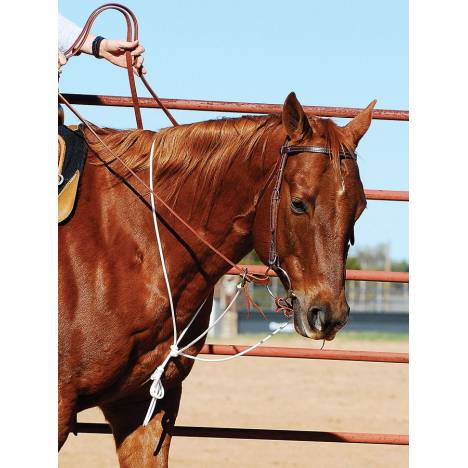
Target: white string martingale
point(157, 388)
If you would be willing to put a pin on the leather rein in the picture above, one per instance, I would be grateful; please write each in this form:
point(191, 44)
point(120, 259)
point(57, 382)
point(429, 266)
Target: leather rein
point(75, 50)
point(132, 35)
point(283, 304)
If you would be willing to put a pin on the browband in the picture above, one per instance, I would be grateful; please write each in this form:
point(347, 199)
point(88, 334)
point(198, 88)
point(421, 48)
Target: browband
point(291, 150)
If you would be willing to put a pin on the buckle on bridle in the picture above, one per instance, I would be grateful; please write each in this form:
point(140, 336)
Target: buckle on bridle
point(284, 146)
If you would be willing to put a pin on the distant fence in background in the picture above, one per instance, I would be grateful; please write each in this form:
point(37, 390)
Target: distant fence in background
point(377, 297)
point(375, 306)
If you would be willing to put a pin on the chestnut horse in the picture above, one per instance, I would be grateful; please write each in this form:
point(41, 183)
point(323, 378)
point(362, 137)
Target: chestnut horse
point(115, 324)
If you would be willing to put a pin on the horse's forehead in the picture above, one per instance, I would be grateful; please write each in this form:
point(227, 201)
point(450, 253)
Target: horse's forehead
point(317, 124)
point(325, 132)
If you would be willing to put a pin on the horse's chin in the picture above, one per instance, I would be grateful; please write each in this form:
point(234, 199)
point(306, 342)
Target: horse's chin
point(330, 337)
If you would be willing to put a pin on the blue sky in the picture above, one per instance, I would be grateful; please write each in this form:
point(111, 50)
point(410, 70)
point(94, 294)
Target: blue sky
point(333, 53)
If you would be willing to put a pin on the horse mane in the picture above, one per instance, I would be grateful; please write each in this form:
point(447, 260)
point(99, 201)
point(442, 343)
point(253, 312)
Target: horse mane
point(202, 151)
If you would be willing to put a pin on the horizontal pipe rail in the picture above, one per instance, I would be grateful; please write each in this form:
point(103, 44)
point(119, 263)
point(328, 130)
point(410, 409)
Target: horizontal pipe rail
point(371, 194)
point(278, 434)
point(351, 275)
point(274, 434)
point(387, 195)
point(264, 434)
point(225, 106)
point(307, 353)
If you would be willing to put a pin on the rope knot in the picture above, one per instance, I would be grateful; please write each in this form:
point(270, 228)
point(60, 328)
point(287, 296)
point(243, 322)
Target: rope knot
point(244, 279)
point(174, 350)
point(283, 306)
point(157, 374)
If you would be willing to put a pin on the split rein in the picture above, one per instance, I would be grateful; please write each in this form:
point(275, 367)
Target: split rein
point(283, 305)
point(132, 35)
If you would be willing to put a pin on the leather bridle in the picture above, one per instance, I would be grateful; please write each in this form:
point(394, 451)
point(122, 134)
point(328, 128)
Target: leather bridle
point(283, 304)
point(273, 257)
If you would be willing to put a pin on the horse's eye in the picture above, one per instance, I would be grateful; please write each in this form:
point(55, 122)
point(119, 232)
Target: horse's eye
point(298, 206)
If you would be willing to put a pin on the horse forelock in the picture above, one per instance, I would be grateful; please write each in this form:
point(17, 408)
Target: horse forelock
point(336, 140)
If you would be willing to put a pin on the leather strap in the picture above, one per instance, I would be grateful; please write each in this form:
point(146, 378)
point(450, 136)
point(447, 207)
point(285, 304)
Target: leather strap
point(274, 206)
point(292, 150)
point(259, 279)
point(286, 151)
point(130, 19)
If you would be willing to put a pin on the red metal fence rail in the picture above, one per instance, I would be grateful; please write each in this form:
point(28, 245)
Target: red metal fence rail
point(389, 195)
point(264, 434)
point(283, 352)
point(226, 106)
point(276, 434)
point(351, 275)
point(307, 353)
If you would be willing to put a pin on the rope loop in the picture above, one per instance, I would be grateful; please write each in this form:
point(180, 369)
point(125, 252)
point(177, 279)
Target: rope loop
point(157, 390)
point(283, 306)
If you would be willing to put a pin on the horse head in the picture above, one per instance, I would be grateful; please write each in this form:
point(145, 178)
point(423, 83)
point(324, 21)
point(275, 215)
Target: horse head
point(321, 198)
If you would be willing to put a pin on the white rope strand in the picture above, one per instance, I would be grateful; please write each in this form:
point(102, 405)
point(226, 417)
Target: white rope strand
point(158, 241)
point(241, 353)
point(213, 324)
point(157, 389)
point(195, 315)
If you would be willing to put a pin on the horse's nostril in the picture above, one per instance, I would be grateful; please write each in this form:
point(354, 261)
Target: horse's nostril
point(316, 317)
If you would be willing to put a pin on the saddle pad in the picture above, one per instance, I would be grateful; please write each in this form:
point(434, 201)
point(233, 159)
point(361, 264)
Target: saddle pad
point(71, 163)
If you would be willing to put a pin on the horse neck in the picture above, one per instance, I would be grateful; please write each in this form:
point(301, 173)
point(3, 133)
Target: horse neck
point(227, 220)
point(122, 211)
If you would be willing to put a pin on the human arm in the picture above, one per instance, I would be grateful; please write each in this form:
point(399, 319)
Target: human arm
point(113, 50)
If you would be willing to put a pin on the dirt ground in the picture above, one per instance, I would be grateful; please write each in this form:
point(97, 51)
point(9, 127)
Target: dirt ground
point(279, 394)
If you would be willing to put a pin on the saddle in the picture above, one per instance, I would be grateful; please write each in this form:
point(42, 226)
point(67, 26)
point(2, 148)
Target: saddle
point(72, 151)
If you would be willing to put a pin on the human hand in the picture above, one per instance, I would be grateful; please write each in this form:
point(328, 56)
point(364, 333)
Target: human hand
point(113, 50)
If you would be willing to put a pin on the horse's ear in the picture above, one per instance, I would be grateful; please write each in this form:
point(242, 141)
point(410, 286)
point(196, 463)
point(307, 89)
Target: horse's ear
point(360, 124)
point(294, 119)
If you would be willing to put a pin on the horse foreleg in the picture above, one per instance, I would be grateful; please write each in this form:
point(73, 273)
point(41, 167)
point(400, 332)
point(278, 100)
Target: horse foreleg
point(66, 414)
point(148, 446)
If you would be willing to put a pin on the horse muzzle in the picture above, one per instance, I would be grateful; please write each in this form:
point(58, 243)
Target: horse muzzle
point(316, 320)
